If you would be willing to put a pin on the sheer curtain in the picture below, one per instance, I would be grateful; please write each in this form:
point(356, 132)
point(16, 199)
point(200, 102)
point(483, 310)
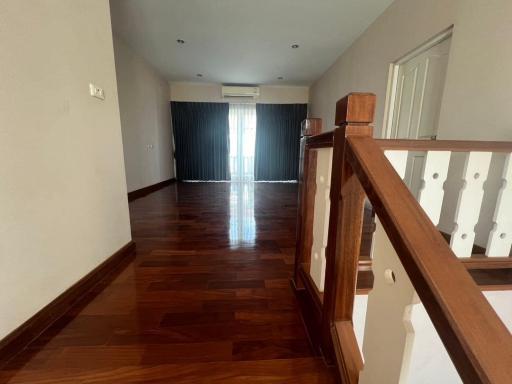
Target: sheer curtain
point(242, 139)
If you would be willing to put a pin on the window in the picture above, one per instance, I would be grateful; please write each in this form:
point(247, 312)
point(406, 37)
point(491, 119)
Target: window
point(242, 139)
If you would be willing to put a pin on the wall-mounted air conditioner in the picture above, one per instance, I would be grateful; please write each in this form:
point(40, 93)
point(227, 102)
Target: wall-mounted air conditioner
point(240, 91)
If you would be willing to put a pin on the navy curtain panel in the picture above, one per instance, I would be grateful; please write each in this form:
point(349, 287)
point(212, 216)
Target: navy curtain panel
point(201, 137)
point(278, 141)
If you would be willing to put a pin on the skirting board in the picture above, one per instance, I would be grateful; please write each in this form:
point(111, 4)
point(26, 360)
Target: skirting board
point(149, 189)
point(22, 336)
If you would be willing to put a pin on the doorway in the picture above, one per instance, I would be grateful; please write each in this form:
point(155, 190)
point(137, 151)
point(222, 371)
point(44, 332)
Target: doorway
point(416, 91)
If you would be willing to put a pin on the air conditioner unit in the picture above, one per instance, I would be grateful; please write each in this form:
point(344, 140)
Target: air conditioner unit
point(238, 91)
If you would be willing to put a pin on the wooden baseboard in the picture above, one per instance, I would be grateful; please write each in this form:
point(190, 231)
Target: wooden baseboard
point(22, 336)
point(311, 316)
point(149, 189)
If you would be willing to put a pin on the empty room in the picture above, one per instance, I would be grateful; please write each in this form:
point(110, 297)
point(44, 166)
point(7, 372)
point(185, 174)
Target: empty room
point(255, 191)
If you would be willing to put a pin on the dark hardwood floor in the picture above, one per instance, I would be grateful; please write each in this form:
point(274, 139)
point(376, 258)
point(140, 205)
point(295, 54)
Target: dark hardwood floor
point(207, 298)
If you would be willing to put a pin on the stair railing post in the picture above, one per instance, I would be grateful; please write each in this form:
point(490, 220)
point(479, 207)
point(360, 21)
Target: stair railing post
point(354, 116)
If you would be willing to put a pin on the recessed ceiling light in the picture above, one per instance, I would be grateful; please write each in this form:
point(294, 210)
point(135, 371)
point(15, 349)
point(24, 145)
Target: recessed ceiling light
point(280, 78)
point(180, 41)
point(295, 46)
point(199, 75)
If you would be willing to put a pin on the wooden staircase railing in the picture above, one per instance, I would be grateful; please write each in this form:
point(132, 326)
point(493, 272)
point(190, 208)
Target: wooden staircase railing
point(411, 259)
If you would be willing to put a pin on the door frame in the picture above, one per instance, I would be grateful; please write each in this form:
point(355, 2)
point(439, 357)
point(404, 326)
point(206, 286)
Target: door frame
point(389, 105)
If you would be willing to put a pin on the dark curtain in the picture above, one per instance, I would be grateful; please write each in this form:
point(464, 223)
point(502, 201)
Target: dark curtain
point(201, 137)
point(277, 141)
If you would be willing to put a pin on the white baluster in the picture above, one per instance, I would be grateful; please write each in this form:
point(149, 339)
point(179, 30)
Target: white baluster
point(429, 361)
point(321, 217)
point(400, 343)
point(500, 238)
point(435, 171)
point(398, 160)
point(387, 334)
point(475, 172)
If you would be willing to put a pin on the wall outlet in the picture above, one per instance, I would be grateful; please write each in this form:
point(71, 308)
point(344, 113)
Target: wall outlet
point(96, 91)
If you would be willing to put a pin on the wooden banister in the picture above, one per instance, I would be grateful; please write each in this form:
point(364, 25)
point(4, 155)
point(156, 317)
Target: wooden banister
point(478, 343)
point(301, 283)
point(307, 189)
point(354, 114)
point(477, 262)
point(323, 140)
point(311, 126)
point(355, 108)
point(445, 145)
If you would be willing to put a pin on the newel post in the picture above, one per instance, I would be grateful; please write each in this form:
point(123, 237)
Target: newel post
point(354, 116)
point(307, 187)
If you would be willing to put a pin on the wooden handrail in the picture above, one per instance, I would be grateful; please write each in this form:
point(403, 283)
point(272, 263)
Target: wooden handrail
point(445, 145)
point(477, 341)
point(323, 140)
point(485, 262)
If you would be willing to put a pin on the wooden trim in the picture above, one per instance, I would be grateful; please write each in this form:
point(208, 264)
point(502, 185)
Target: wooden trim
point(303, 170)
point(477, 341)
point(354, 113)
point(310, 308)
point(309, 207)
point(133, 195)
point(348, 245)
point(355, 108)
point(309, 284)
point(305, 212)
point(445, 145)
point(492, 278)
point(347, 270)
point(324, 140)
point(495, 287)
point(484, 262)
point(22, 336)
point(311, 126)
point(347, 351)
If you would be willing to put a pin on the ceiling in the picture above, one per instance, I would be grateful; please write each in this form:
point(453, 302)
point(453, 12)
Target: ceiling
point(243, 41)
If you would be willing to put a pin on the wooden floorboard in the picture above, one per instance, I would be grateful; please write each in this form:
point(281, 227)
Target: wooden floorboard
point(206, 300)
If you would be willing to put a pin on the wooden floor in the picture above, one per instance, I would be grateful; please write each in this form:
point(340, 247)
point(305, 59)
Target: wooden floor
point(206, 300)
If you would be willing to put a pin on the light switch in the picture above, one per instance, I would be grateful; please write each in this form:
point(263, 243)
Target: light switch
point(96, 91)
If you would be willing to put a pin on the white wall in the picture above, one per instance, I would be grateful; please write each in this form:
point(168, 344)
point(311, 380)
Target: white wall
point(477, 94)
point(210, 92)
point(364, 67)
point(145, 119)
point(63, 204)
point(477, 99)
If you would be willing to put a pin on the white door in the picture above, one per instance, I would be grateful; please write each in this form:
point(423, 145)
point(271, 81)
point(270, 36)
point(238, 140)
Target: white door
point(417, 103)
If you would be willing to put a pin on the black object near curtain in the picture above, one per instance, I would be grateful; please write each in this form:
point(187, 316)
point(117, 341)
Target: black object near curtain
point(278, 141)
point(201, 137)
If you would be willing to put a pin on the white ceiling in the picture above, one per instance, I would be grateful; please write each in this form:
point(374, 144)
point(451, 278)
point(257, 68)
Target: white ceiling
point(243, 41)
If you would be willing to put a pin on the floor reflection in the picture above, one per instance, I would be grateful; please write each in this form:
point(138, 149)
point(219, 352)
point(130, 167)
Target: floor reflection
point(242, 225)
